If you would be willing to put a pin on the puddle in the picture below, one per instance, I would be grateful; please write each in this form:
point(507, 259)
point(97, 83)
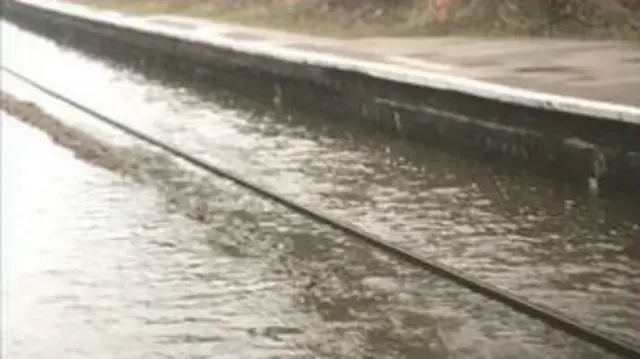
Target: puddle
point(632, 60)
point(546, 69)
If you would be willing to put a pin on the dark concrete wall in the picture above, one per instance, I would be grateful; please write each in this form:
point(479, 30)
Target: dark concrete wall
point(562, 145)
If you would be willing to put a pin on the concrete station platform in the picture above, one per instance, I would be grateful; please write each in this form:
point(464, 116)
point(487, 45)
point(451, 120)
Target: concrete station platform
point(594, 70)
point(598, 79)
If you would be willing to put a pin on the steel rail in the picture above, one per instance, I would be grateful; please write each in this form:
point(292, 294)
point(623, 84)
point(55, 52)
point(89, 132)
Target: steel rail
point(522, 305)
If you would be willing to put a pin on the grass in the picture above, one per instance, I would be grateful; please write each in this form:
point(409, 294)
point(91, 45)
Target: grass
point(592, 19)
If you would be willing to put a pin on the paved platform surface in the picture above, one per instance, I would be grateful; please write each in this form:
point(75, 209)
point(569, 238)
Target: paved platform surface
point(594, 70)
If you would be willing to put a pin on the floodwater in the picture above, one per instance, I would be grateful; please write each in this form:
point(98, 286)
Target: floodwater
point(163, 261)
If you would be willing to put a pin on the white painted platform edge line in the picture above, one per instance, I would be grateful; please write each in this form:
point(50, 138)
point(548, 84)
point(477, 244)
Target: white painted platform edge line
point(529, 98)
point(421, 63)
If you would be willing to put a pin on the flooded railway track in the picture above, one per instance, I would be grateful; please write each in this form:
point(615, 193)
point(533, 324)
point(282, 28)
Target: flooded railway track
point(548, 316)
point(620, 346)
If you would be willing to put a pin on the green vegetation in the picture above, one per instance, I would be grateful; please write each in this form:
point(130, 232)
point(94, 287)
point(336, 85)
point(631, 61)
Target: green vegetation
point(612, 19)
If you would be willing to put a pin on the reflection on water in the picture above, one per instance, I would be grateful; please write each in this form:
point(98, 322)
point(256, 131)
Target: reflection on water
point(89, 260)
point(113, 268)
point(544, 241)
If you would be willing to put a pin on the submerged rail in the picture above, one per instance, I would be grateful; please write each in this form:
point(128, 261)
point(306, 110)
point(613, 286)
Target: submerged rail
point(546, 315)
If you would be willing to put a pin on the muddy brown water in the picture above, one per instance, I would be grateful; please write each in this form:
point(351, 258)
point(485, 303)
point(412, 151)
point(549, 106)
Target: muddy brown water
point(111, 249)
